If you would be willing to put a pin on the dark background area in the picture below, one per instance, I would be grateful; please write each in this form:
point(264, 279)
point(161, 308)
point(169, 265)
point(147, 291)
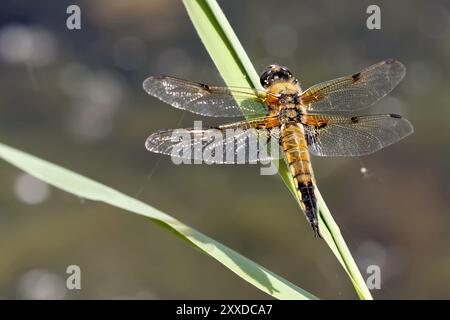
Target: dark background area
point(76, 98)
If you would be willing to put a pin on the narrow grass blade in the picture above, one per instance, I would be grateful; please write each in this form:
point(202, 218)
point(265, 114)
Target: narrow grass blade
point(86, 188)
point(236, 69)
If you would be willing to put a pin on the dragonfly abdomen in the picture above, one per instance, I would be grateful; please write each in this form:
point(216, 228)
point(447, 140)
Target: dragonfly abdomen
point(295, 147)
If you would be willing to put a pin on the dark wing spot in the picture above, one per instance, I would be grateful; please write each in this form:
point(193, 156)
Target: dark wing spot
point(205, 86)
point(356, 76)
point(354, 119)
point(393, 115)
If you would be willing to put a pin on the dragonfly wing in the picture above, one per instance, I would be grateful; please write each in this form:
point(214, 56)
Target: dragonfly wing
point(229, 144)
point(206, 100)
point(335, 136)
point(356, 91)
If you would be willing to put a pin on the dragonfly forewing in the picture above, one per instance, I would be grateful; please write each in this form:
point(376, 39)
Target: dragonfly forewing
point(207, 100)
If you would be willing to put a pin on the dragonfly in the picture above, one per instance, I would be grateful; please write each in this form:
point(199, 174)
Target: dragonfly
point(318, 121)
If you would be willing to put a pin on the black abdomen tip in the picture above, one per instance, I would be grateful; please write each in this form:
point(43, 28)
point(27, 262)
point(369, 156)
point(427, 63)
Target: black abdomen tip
point(315, 228)
point(310, 206)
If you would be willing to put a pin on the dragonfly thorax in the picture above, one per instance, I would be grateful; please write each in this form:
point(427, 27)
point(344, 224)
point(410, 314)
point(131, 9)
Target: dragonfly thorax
point(289, 98)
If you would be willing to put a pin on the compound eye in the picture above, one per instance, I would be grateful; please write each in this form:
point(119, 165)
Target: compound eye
point(286, 72)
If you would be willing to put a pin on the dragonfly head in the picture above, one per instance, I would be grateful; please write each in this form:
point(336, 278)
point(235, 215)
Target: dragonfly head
point(275, 73)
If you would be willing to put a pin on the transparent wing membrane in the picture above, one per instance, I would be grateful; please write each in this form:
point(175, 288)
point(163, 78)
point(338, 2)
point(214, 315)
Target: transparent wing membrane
point(355, 136)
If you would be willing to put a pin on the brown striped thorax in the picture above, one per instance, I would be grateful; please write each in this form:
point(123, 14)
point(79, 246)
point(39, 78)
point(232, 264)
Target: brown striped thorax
point(315, 121)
